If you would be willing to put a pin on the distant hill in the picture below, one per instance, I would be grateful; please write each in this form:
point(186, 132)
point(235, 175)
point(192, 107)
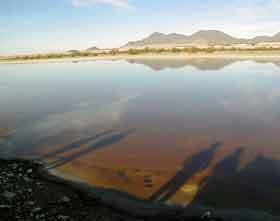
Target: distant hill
point(92, 49)
point(73, 51)
point(204, 37)
point(260, 39)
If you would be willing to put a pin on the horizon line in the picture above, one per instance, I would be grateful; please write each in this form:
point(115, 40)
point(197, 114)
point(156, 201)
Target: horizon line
point(145, 36)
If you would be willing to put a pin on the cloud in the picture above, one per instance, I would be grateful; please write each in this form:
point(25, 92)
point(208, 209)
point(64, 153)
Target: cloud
point(114, 3)
point(255, 10)
point(247, 18)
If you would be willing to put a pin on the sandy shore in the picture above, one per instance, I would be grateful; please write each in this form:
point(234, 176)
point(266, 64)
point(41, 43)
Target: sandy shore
point(217, 55)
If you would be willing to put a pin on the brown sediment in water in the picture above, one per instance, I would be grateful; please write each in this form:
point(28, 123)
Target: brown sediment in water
point(190, 180)
point(165, 158)
point(4, 132)
point(29, 192)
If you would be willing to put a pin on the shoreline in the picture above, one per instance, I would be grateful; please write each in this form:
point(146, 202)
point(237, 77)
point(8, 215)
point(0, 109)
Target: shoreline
point(84, 199)
point(259, 55)
point(30, 192)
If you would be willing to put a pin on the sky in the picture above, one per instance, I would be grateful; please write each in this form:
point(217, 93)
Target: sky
point(33, 26)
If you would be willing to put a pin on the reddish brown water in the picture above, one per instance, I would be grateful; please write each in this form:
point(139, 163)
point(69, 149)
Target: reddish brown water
point(181, 131)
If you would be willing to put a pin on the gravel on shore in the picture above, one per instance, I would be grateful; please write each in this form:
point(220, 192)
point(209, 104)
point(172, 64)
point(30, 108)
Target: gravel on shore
point(25, 195)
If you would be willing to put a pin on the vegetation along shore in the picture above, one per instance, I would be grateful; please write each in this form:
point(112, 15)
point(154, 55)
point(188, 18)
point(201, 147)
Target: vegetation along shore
point(112, 54)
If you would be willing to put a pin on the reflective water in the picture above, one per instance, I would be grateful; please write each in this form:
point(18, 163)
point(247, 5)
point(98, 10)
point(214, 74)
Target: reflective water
point(198, 131)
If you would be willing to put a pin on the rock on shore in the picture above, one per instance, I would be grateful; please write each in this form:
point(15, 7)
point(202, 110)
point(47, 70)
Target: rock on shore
point(25, 195)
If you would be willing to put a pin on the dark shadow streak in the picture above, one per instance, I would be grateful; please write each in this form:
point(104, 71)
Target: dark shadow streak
point(191, 166)
point(74, 145)
point(102, 143)
point(229, 165)
point(255, 186)
point(219, 188)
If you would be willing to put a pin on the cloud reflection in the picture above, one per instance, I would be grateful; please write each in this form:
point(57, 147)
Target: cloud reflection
point(24, 139)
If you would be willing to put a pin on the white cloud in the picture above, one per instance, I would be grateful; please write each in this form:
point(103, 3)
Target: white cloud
point(247, 18)
point(114, 3)
point(258, 9)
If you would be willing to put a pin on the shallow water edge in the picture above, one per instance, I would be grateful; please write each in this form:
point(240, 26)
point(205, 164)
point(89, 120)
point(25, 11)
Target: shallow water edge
point(131, 206)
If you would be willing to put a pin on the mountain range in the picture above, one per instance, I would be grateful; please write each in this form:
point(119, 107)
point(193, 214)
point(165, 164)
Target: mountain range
point(204, 37)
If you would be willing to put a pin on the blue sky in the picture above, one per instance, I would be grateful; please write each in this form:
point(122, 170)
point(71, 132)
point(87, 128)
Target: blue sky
point(55, 25)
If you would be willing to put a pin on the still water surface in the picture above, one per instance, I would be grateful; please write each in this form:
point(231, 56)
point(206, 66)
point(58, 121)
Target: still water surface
point(200, 131)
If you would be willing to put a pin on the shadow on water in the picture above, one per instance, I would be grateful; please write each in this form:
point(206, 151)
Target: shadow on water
point(193, 165)
point(229, 165)
point(100, 144)
point(74, 145)
point(256, 186)
point(228, 186)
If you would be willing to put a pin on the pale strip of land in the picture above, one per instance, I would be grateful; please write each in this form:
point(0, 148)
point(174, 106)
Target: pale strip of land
point(259, 55)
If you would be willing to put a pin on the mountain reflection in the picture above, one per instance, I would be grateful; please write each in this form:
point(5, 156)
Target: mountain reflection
point(203, 64)
point(201, 138)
